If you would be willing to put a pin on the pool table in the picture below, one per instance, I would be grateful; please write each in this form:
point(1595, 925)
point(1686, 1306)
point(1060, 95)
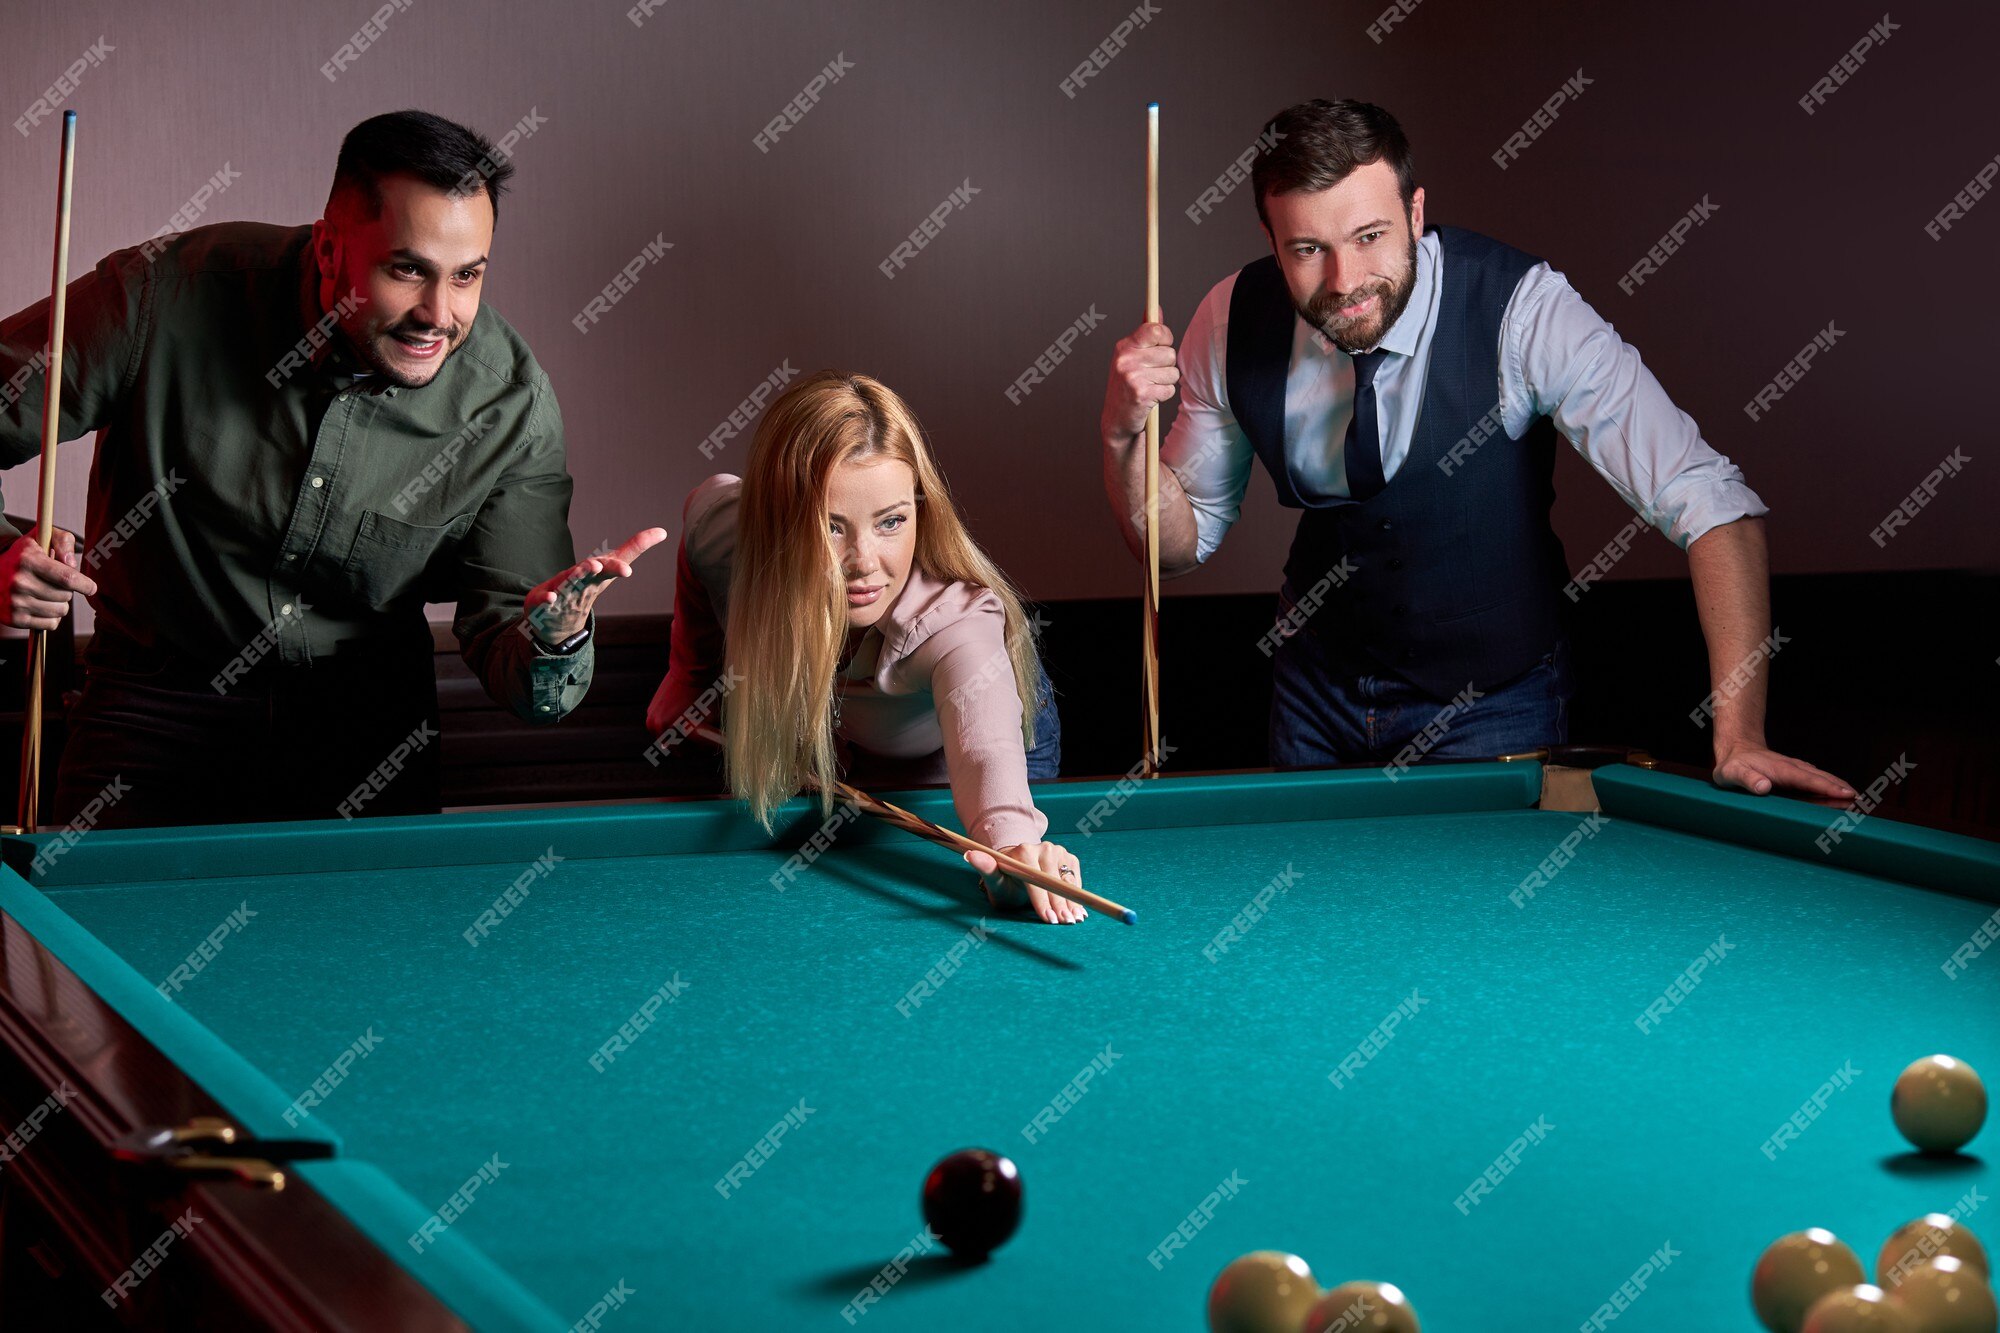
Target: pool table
point(1511, 1035)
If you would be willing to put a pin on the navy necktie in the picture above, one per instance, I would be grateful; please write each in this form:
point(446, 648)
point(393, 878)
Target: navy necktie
point(1363, 450)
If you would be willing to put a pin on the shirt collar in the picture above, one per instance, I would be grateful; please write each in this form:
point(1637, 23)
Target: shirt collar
point(1407, 332)
point(327, 349)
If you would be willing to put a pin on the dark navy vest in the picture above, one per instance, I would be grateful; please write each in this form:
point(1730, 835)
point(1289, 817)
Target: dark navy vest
point(1455, 570)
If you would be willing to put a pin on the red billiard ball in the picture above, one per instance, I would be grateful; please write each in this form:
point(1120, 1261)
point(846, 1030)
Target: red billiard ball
point(972, 1200)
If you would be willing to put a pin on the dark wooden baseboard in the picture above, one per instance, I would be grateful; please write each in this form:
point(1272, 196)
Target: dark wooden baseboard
point(1871, 668)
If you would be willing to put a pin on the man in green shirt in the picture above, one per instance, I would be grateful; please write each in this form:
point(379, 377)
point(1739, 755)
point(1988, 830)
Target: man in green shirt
point(304, 434)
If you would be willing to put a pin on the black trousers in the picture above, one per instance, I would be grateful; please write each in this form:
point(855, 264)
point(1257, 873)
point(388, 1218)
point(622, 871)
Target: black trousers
point(152, 742)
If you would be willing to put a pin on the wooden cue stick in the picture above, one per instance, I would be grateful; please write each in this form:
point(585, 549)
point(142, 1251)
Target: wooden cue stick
point(1150, 642)
point(958, 842)
point(29, 811)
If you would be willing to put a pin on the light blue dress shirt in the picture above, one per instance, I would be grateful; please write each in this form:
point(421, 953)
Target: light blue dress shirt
point(1558, 358)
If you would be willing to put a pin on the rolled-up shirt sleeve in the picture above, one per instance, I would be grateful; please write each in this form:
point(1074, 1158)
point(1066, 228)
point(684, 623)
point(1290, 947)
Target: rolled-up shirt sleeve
point(1560, 358)
point(520, 538)
point(1206, 449)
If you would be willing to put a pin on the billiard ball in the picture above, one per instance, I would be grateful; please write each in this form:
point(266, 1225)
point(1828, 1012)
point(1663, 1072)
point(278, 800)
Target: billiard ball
point(1947, 1296)
point(1939, 1103)
point(972, 1200)
point(1924, 1239)
point(1857, 1310)
point(1364, 1307)
point(1265, 1291)
point(1796, 1271)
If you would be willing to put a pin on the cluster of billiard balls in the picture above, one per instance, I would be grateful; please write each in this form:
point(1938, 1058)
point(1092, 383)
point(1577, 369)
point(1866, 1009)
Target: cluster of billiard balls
point(1934, 1274)
point(1271, 1292)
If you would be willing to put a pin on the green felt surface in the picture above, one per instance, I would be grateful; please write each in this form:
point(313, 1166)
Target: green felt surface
point(1221, 1066)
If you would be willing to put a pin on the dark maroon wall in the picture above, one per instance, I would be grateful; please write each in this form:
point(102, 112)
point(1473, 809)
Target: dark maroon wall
point(649, 131)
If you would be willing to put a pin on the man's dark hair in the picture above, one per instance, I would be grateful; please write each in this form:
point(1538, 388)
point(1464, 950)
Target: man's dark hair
point(415, 143)
point(1314, 145)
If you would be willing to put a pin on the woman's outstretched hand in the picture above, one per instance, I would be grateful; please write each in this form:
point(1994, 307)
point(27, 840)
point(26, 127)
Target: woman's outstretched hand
point(1003, 890)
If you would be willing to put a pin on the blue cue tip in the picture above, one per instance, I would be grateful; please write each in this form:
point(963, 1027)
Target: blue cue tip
point(1131, 917)
point(1150, 106)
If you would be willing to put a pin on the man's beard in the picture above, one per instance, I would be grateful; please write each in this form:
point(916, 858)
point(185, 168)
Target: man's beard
point(376, 358)
point(1363, 332)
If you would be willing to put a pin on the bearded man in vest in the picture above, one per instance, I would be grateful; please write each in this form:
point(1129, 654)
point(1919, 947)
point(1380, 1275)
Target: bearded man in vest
point(1404, 386)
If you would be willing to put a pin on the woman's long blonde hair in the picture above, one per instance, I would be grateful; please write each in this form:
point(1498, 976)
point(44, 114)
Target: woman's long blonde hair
point(787, 595)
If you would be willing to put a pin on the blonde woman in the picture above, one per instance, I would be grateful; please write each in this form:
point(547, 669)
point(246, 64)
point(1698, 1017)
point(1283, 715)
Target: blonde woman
point(861, 630)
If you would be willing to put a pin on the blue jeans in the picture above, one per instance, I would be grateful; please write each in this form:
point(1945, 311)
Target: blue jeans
point(1046, 756)
point(1319, 717)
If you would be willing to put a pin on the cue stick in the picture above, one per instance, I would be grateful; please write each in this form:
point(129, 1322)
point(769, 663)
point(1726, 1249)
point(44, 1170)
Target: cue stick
point(29, 811)
point(1150, 641)
point(958, 842)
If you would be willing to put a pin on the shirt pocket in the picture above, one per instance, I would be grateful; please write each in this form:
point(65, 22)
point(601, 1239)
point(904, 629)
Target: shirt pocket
point(392, 561)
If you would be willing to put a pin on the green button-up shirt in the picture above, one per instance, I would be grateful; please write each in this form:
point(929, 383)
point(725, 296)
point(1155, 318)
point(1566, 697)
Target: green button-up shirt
point(254, 497)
